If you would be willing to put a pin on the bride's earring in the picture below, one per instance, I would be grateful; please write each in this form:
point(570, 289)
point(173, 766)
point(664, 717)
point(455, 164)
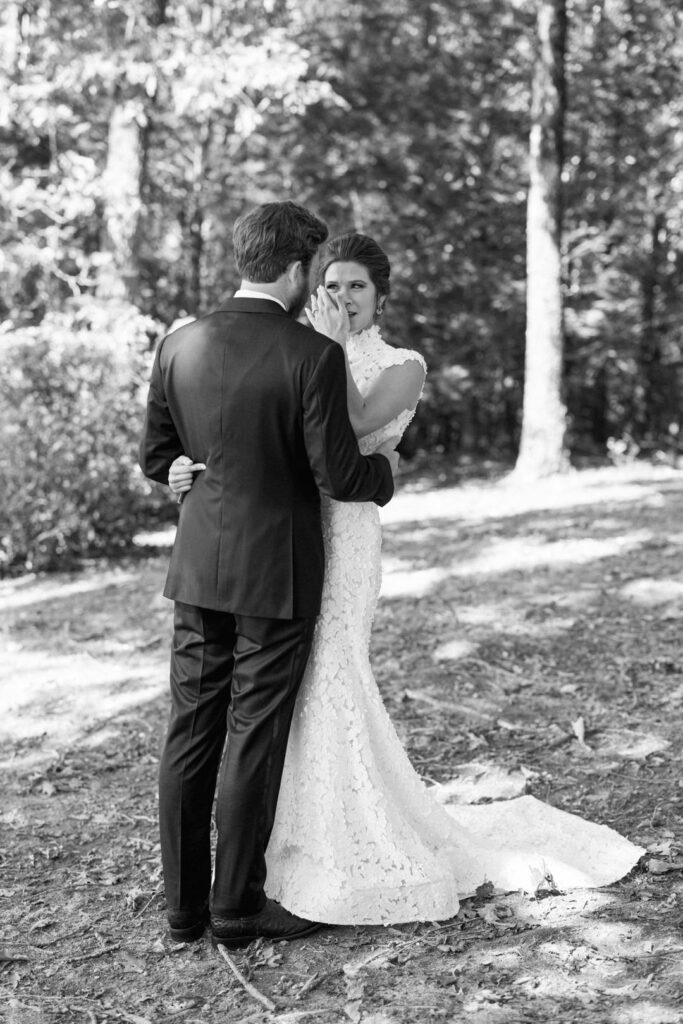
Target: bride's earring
point(379, 308)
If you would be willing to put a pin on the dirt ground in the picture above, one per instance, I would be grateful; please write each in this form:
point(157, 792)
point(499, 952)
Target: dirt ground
point(530, 633)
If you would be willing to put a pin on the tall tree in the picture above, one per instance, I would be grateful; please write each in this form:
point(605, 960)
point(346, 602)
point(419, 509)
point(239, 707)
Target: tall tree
point(133, 33)
point(122, 201)
point(542, 447)
point(10, 37)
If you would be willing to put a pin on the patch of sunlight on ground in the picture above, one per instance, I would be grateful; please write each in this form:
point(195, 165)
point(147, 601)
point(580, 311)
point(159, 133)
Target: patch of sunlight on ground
point(503, 555)
point(506, 618)
point(644, 1011)
point(549, 627)
point(616, 938)
point(29, 590)
point(503, 620)
point(482, 614)
point(628, 743)
point(675, 696)
point(653, 592)
point(574, 907)
point(597, 953)
point(591, 959)
point(56, 700)
point(579, 598)
point(533, 553)
point(392, 564)
point(454, 650)
point(422, 535)
point(622, 485)
point(412, 582)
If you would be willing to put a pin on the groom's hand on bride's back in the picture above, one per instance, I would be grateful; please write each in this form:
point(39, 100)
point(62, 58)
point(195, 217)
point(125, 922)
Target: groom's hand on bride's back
point(389, 452)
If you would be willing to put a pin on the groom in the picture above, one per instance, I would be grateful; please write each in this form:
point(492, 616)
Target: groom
point(260, 400)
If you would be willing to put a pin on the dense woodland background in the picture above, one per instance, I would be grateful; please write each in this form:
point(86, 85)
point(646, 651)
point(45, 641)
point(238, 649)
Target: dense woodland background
point(134, 132)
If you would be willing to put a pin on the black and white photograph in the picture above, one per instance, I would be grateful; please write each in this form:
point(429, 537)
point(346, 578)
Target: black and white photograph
point(341, 511)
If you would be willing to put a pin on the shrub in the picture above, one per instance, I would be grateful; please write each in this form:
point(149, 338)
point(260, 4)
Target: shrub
point(71, 407)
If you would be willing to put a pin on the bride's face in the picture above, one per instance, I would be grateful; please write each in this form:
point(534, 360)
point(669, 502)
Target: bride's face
point(351, 286)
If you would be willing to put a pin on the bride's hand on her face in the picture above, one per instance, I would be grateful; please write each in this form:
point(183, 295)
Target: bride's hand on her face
point(181, 474)
point(327, 317)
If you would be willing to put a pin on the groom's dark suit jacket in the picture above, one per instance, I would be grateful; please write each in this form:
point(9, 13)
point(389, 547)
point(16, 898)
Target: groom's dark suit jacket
point(261, 400)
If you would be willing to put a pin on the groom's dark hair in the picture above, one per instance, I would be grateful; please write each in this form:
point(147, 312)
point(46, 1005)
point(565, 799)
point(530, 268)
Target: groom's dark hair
point(267, 239)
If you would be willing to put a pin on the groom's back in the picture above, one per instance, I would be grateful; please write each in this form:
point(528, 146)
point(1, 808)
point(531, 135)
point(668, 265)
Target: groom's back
point(233, 384)
point(248, 539)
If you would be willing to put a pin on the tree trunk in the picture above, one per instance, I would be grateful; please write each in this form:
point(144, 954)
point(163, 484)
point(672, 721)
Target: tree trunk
point(542, 449)
point(12, 45)
point(652, 405)
point(196, 218)
point(124, 175)
point(122, 186)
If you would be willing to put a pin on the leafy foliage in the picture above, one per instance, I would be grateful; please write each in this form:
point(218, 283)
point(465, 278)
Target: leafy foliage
point(70, 415)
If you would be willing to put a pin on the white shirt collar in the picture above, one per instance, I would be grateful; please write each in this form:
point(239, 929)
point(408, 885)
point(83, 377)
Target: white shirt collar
point(251, 293)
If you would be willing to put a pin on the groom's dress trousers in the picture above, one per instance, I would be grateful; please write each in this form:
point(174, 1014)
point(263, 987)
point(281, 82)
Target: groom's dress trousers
point(261, 400)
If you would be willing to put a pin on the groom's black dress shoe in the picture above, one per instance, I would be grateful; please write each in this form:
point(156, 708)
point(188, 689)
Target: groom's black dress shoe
point(188, 925)
point(271, 922)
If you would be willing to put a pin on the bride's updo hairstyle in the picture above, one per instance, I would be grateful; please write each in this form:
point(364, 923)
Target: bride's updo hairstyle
point(356, 248)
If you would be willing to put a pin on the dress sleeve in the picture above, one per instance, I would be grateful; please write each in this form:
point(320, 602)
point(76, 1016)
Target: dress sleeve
point(406, 355)
point(399, 356)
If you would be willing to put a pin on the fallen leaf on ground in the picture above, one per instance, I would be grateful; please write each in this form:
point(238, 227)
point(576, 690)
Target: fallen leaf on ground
point(662, 867)
point(579, 730)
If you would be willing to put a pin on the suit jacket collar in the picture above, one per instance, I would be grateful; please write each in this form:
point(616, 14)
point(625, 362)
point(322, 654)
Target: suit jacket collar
point(236, 305)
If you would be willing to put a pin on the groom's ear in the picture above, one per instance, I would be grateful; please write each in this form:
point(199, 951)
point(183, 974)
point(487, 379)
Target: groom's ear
point(294, 272)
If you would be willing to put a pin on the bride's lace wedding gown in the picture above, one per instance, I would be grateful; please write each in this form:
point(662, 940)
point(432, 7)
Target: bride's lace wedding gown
point(358, 837)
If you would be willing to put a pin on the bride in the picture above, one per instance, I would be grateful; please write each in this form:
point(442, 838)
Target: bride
point(358, 836)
